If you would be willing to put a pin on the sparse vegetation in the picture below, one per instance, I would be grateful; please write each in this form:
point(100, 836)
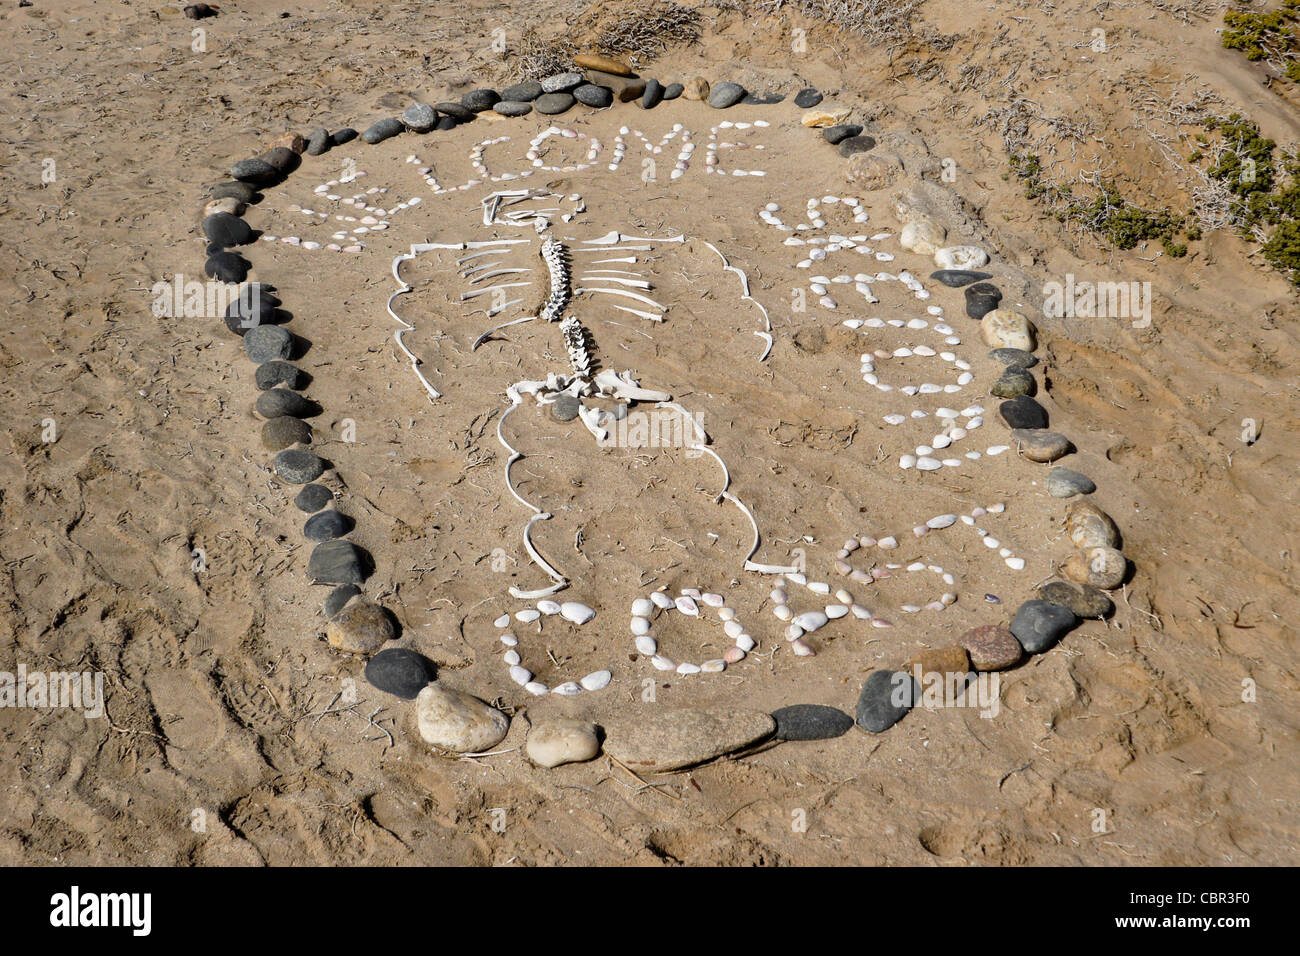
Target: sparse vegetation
point(1271, 36)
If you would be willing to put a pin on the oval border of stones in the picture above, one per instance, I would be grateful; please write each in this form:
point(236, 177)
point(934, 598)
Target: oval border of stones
point(240, 265)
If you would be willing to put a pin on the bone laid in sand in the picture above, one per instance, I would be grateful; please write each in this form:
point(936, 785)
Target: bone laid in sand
point(498, 272)
point(487, 265)
point(746, 297)
point(601, 262)
point(631, 295)
point(466, 296)
point(650, 316)
point(406, 327)
point(486, 335)
point(622, 386)
point(631, 283)
point(516, 393)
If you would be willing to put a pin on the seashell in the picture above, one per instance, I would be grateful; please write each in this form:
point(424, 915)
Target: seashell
point(928, 464)
point(733, 629)
point(948, 598)
point(502, 621)
point(716, 666)
point(801, 649)
point(568, 689)
point(640, 625)
point(819, 587)
point(920, 530)
point(809, 621)
point(783, 612)
point(712, 600)
point(939, 522)
point(537, 688)
point(662, 663)
point(888, 544)
point(907, 461)
point(798, 577)
point(509, 640)
point(642, 607)
point(997, 449)
point(1016, 564)
point(860, 612)
point(880, 622)
point(692, 593)
point(688, 668)
point(687, 606)
point(647, 645)
point(734, 655)
point(576, 612)
point(868, 542)
point(997, 509)
point(910, 608)
point(842, 566)
point(843, 596)
point(836, 611)
point(548, 607)
point(779, 596)
point(726, 614)
point(511, 657)
point(528, 615)
point(793, 632)
point(661, 600)
point(862, 577)
point(596, 680)
point(935, 606)
point(520, 675)
point(745, 643)
point(991, 542)
point(878, 574)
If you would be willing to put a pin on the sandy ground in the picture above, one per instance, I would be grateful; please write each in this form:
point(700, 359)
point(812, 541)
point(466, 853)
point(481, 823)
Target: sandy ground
point(216, 680)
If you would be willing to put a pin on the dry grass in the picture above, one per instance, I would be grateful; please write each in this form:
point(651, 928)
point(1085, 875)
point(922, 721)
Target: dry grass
point(880, 21)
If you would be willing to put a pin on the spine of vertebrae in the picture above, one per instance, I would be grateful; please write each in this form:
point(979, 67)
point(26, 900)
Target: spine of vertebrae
point(575, 336)
point(557, 261)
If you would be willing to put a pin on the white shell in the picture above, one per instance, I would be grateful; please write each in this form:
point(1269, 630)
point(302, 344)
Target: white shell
point(528, 615)
point(733, 629)
point(502, 621)
point(511, 657)
point(548, 607)
point(537, 688)
point(568, 689)
point(662, 663)
point(520, 675)
point(745, 643)
point(576, 612)
point(811, 620)
point(596, 680)
point(783, 612)
point(509, 640)
point(834, 611)
point(687, 668)
point(942, 521)
point(642, 607)
point(661, 600)
point(646, 644)
point(640, 626)
point(712, 600)
point(716, 666)
point(687, 606)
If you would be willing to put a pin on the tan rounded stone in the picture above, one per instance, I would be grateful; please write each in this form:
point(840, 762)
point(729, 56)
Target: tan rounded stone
point(562, 740)
point(456, 721)
point(291, 141)
point(682, 738)
point(1090, 527)
point(992, 647)
point(824, 116)
point(1008, 329)
point(360, 628)
point(922, 235)
point(696, 88)
point(606, 64)
point(227, 204)
point(1103, 568)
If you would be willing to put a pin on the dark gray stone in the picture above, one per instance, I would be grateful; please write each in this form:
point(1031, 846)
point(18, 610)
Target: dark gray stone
point(335, 562)
point(1084, 600)
point(552, 104)
point(1039, 625)
point(653, 95)
point(318, 142)
point(326, 525)
point(726, 95)
point(811, 722)
point(235, 190)
point(285, 432)
point(1023, 412)
point(280, 401)
point(313, 498)
point(224, 230)
point(838, 134)
point(478, 101)
point(1014, 357)
point(856, 144)
point(956, 278)
point(282, 159)
point(420, 117)
point(1064, 483)
point(339, 596)
point(673, 90)
point(562, 82)
point(981, 299)
point(276, 373)
point(514, 108)
point(807, 98)
point(345, 135)
point(266, 343)
point(565, 408)
point(886, 698)
point(597, 97)
point(256, 171)
point(400, 672)
point(382, 130)
point(227, 267)
point(446, 122)
point(249, 311)
point(1013, 382)
point(457, 111)
point(524, 92)
point(765, 99)
point(299, 466)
